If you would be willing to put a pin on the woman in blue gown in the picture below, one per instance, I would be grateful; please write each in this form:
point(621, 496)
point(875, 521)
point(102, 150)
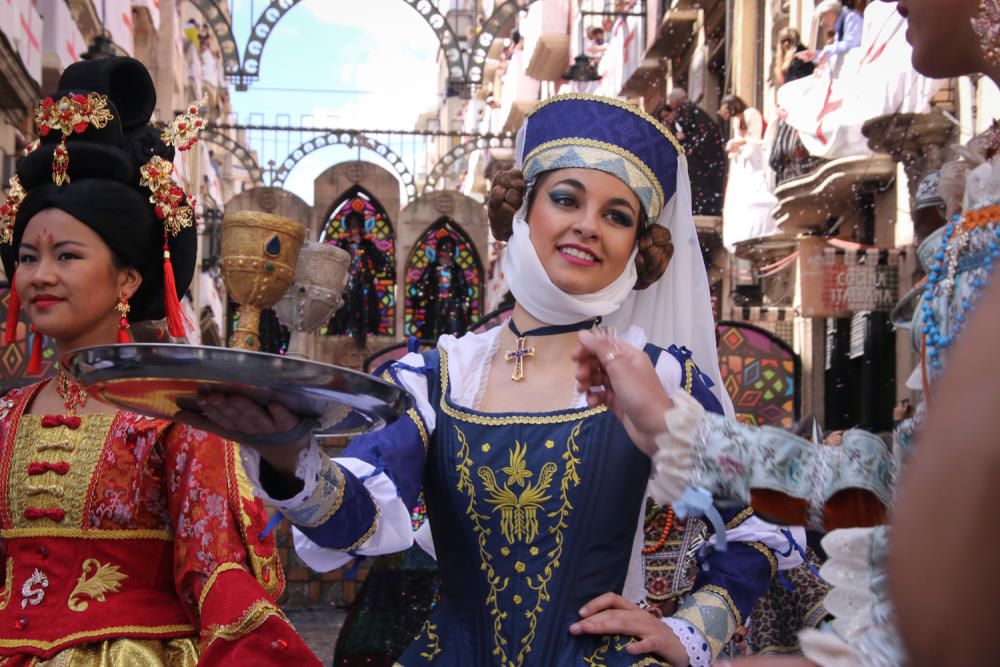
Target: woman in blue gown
point(535, 499)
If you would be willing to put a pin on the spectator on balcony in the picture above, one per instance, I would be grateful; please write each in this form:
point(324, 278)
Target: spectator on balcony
point(701, 139)
point(786, 66)
point(595, 46)
point(191, 33)
point(788, 157)
point(667, 117)
point(845, 21)
point(746, 212)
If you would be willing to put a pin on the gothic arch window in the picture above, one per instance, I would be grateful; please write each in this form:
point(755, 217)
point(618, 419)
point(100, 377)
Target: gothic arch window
point(357, 221)
point(437, 299)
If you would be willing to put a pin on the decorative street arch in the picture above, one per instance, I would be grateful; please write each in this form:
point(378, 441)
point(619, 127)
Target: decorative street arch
point(237, 150)
point(219, 23)
point(354, 140)
point(243, 70)
point(460, 151)
point(503, 14)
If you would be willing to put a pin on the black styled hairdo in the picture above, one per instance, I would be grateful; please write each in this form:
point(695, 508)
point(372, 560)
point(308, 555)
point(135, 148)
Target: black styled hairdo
point(103, 190)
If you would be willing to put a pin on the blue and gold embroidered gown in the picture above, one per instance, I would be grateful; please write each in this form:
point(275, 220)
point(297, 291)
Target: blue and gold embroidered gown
point(532, 516)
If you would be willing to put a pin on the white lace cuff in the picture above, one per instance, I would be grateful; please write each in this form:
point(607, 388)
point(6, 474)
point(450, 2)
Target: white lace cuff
point(699, 653)
point(674, 460)
point(307, 468)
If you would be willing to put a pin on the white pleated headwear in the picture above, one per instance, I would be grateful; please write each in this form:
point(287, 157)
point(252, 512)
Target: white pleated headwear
point(676, 310)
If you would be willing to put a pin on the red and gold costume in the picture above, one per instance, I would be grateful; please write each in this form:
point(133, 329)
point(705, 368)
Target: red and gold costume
point(129, 540)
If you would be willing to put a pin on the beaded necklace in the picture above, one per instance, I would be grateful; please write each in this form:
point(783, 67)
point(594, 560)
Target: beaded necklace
point(958, 237)
point(71, 392)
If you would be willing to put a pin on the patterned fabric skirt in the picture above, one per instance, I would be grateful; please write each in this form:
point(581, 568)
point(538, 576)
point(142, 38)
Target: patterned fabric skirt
point(182, 652)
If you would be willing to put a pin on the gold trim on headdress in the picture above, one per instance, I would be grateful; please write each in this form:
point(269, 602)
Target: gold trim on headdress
point(71, 113)
point(9, 208)
point(167, 197)
point(182, 132)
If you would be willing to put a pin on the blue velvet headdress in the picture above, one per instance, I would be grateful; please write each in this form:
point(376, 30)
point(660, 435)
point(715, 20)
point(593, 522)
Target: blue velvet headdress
point(592, 132)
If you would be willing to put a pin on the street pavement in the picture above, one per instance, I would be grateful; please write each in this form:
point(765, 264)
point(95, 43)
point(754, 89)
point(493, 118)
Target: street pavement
point(319, 626)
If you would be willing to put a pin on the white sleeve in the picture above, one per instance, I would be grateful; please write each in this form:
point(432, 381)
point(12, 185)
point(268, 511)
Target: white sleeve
point(698, 650)
point(393, 530)
point(774, 537)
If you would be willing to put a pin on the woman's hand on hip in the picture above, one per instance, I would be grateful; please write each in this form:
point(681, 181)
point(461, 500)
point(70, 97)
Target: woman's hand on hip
point(611, 614)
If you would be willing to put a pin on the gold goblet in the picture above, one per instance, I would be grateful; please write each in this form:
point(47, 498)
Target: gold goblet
point(259, 253)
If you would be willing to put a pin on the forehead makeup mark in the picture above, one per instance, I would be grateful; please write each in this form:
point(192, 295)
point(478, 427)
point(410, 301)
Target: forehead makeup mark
point(44, 236)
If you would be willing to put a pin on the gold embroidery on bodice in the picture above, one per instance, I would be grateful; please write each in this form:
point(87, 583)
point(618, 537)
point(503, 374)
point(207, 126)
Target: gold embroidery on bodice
point(518, 511)
point(40, 489)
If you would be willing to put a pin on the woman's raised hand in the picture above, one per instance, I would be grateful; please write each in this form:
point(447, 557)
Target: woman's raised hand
point(622, 377)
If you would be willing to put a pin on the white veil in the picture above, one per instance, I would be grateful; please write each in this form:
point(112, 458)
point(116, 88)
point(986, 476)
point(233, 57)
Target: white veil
point(676, 309)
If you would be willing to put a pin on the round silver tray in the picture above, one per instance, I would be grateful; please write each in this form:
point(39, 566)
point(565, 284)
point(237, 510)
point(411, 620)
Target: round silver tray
point(160, 380)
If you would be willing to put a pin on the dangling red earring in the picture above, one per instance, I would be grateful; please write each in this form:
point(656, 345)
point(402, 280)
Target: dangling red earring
point(123, 335)
point(35, 360)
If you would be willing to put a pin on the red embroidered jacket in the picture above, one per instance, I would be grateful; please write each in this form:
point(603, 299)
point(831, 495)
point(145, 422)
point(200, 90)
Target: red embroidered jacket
point(124, 526)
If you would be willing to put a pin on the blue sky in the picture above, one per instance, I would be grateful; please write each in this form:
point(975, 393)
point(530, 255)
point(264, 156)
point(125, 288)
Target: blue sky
point(380, 46)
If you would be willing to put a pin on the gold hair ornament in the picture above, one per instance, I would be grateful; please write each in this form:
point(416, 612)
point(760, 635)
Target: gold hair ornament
point(9, 208)
point(70, 114)
point(182, 132)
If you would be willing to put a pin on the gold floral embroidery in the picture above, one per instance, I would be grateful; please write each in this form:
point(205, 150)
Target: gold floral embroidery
point(518, 512)
point(433, 641)
point(541, 583)
point(494, 581)
point(105, 578)
point(621, 642)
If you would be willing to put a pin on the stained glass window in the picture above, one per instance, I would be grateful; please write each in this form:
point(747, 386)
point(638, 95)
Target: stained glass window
point(379, 238)
point(761, 373)
point(423, 256)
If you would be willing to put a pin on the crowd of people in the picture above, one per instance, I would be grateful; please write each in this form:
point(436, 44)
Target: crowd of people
point(536, 447)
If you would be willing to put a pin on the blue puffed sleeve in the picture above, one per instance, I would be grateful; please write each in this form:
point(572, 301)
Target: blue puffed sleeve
point(398, 451)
